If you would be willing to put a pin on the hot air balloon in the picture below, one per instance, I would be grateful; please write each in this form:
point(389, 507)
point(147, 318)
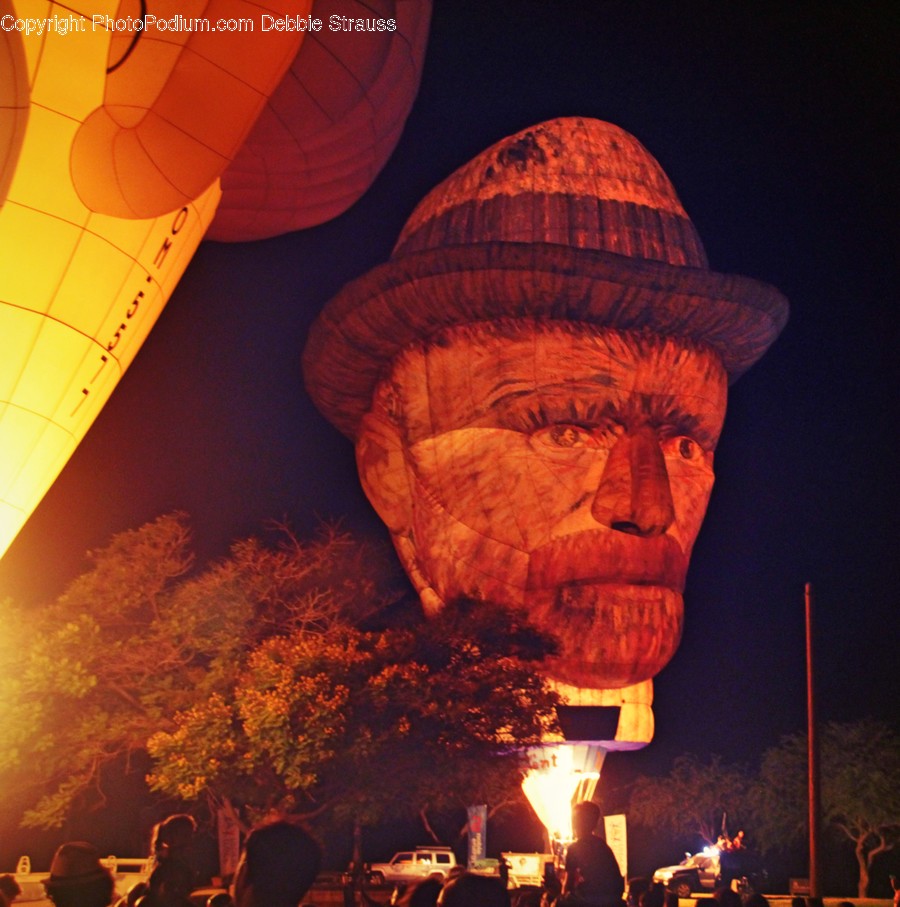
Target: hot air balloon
point(535, 384)
point(331, 124)
point(102, 210)
point(116, 123)
point(178, 102)
point(13, 100)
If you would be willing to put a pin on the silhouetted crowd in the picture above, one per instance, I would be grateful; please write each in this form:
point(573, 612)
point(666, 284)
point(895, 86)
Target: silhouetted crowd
point(280, 862)
point(278, 865)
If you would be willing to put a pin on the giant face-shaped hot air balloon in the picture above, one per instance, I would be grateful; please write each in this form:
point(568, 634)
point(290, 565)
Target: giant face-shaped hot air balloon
point(116, 121)
point(535, 384)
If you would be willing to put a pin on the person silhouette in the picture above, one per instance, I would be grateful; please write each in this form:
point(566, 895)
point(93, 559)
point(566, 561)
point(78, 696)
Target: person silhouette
point(593, 878)
point(278, 866)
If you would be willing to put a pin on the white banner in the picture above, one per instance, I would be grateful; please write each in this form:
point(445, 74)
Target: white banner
point(614, 826)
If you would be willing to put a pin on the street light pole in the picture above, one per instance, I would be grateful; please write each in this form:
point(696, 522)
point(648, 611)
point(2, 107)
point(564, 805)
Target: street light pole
point(812, 754)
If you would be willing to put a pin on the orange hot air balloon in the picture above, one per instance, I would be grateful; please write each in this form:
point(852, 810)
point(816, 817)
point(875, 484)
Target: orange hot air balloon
point(80, 287)
point(332, 123)
point(179, 101)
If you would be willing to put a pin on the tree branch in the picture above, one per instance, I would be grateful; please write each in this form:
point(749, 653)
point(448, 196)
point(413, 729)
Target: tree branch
point(423, 815)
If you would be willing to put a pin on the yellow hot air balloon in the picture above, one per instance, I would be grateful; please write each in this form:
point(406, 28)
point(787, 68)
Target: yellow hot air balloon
point(81, 285)
point(117, 119)
point(13, 98)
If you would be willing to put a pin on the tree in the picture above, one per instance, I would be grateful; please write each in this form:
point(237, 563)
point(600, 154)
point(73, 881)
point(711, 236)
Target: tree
point(694, 799)
point(368, 726)
point(860, 768)
point(142, 635)
point(252, 684)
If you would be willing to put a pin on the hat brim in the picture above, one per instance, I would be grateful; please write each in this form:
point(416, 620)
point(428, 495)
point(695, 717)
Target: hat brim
point(74, 881)
point(413, 297)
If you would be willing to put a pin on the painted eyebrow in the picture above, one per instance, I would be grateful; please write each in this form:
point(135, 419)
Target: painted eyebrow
point(527, 386)
point(525, 383)
point(664, 412)
point(673, 416)
point(528, 411)
point(511, 397)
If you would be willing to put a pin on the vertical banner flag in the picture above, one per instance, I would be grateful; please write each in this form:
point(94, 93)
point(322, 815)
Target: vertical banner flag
point(614, 826)
point(477, 834)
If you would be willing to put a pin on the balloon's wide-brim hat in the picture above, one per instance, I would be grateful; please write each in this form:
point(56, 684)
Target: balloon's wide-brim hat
point(570, 220)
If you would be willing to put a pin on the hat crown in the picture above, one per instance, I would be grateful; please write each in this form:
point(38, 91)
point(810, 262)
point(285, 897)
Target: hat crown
point(74, 861)
point(571, 220)
point(571, 181)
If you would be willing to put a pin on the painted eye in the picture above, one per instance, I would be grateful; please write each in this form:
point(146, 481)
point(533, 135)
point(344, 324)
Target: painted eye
point(684, 448)
point(564, 435)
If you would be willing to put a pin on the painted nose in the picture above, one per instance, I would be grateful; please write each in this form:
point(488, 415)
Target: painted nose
point(634, 494)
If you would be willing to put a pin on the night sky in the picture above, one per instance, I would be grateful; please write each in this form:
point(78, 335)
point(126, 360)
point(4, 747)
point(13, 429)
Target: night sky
point(777, 125)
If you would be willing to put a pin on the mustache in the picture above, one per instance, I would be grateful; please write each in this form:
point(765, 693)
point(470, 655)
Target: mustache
point(608, 556)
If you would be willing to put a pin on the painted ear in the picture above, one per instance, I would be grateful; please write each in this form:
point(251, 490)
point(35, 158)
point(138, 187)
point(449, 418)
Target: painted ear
point(383, 471)
point(387, 481)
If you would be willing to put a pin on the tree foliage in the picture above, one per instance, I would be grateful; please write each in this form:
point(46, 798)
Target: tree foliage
point(253, 683)
point(693, 800)
point(416, 719)
point(859, 767)
point(142, 634)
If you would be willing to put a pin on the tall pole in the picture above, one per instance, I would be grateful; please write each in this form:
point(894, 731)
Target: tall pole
point(812, 753)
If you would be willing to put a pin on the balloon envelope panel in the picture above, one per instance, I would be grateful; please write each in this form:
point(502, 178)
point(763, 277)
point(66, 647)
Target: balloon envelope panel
point(13, 100)
point(331, 124)
point(178, 102)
